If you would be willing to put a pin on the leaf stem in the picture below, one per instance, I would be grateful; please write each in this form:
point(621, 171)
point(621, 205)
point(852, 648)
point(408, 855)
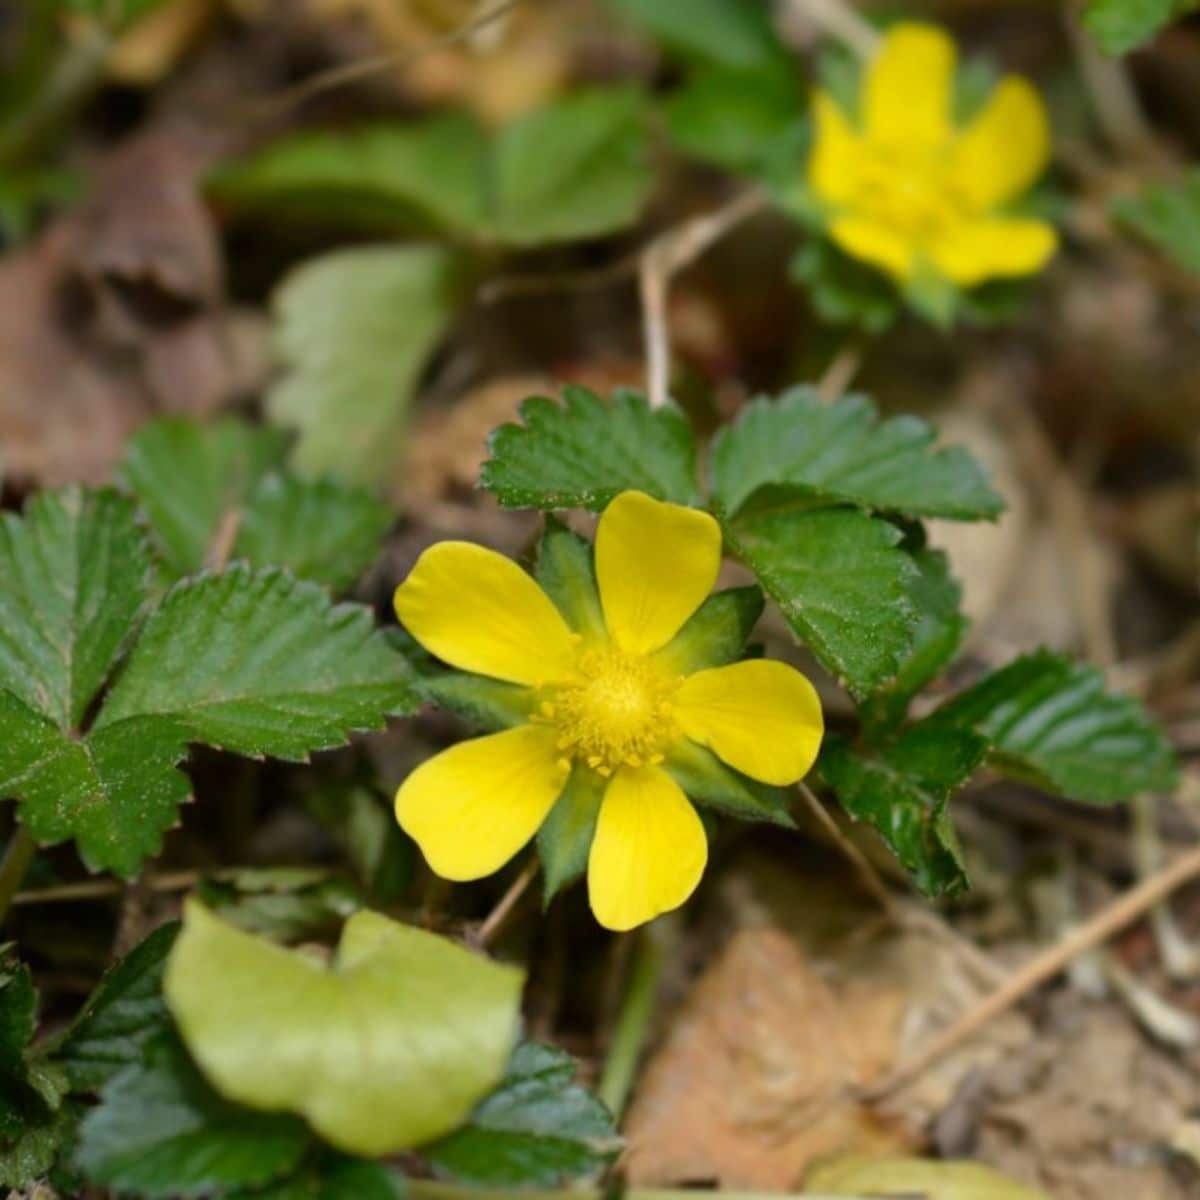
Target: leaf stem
point(494, 921)
point(15, 863)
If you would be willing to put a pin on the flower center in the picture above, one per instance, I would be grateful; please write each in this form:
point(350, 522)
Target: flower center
point(617, 712)
point(913, 192)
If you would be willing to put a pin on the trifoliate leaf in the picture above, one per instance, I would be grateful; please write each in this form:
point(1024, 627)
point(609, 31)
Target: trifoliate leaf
point(565, 837)
point(1167, 215)
point(715, 634)
point(804, 450)
point(161, 1131)
point(708, 781)
point(1053, 723)
point(1120, 26)
point(940, 629)
point(842, 583)
point(732, 33)
point(538, 1129)
point(903, 791)
point(190, 478)
point(73, 575)
point(117, 1019)
point(318, 529)
point(428, 1026)
point(355, 328)
point(115, 791)
point(903, 1178)
point(581, 453)
point(260, 663)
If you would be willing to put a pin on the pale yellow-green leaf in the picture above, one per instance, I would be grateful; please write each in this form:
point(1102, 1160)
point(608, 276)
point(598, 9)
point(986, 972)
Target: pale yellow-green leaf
point(389, 1046)
point(907, 1177)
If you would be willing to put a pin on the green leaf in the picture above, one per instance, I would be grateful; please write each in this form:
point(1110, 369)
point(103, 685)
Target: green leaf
point(584, 452)
point(941, 627)
point(262, 664)
point(808, 451)
point(332, 1177)
point(575, 169)
point(285, 904)
point(1120, 26)
point(539, 1129)
point(841, 290)
point(428, 1026)
point(567, 575)
point(842, 583)
point(715, 634)
point(1167, 215)
point(117, 1019)
point(319, 529)
point(115, 14)
point(354, 329)
point(733, 33)
point(565, 837)
point(73, 576)
point(363, 823)
point(483, 703)
point(115, 791)
point(707, 780)
point(189, 477)
point(161, 1131)
point(1052, 722)
point(903, 792)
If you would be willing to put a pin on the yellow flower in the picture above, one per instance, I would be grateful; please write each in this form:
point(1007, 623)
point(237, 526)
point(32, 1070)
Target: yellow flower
point(909, 192)
point(613, 697)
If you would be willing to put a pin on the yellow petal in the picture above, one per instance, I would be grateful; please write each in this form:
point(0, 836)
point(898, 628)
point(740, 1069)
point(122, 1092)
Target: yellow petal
point(655, 564)
point(478, 611)
point(876, 244)
point(762, 717)
point(970, 253)
point(837, 152)
point(909, 83)
point(472, 807)
point(649, 850)
point(1005, 148)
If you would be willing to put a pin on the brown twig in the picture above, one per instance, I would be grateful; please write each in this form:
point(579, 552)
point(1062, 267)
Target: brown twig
point(1110, 920)
point(494, 921)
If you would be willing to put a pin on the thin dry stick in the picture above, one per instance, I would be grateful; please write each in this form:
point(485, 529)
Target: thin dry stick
point(841, 371)
point(668, 254)
point(496, 918)
point(1110, 920)
point(839, 20)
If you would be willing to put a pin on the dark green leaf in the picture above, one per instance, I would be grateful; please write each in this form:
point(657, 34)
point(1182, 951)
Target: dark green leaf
point(843, 584)
point(733, 33)
point(1123, 25)
point(584, 452)
point(363, 823)
point(260, 663)
point(116, 1020)
point(806, 450)
point(354, 329)
point(1052, 722)
point(332, 1177)
point(566, 574)
point(903, 792)
point(707, 780)
point(483, 703)
point(73, 575)
point(565, 837)
point(715, 634)
point(538, 1129)
point(1167, 215)
point(161, 1131)
point(285, 904)
point(841, 290)
point(190, 478)
point(939, 633)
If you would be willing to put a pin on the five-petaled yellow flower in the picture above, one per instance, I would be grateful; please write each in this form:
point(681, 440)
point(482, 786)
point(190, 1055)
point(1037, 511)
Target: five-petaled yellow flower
point(608, 697)
point(912, 194)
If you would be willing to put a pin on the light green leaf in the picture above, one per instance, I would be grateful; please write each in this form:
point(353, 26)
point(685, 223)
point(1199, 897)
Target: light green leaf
point(566, 573)
point(260, 663)
point(807, 451)
point(565, 837)
point(355, 328)
point(707, 780)
point(538, 1129)
point(120, 1015)
point(941, 627)
point(903, 1178)
point(1053, 723)
point(161, 1131)
point(1167, 215)
point(575, 169)
point(903, 791)
point(584, 452)
point(73, 575)
point(1123, 25)
point(733, 33)
point(715, 634)
point(190, 477)
point(842, 583)
point(318, 529)
point(428, 1026)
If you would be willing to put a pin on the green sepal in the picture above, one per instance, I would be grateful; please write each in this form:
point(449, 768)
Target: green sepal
point(715, 634)
point(483, 703)
point(565, 837)
point(708, 781)
point(567, 575)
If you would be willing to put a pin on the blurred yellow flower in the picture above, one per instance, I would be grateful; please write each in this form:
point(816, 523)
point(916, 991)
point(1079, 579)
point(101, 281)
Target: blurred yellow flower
point(909, 192)
point(610, 698)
